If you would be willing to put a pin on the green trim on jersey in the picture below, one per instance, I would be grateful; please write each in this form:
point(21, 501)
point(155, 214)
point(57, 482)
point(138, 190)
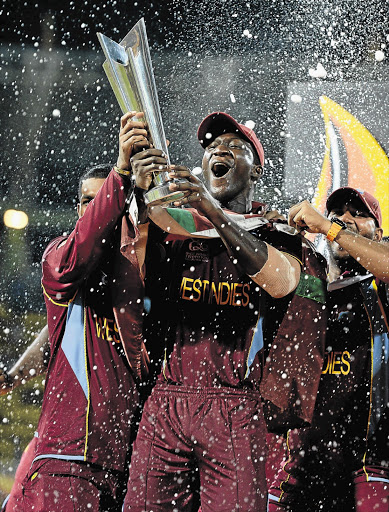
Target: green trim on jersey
point(184, 218)
point(311, 287)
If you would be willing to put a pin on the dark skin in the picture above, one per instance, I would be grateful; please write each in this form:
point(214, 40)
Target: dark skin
point(230, 173)
point(359, 244)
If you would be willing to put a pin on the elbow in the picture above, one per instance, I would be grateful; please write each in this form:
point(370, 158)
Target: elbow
point(283, 285)
point(279, 276)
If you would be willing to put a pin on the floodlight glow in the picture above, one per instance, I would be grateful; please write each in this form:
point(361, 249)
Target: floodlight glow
point(15, 219)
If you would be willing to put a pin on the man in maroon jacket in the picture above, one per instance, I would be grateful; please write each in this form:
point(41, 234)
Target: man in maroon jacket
point(90, 398)
point(340, 462)
point(216, 305)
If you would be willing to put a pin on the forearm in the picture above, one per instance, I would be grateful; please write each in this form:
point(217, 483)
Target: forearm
point(275, 272)
point(372, 255)
point(280, 275)
point(248, 251)
point(33, 362)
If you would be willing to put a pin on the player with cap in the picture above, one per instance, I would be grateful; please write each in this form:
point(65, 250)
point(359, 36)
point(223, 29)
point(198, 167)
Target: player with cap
point(341, 462)
point(216, 304)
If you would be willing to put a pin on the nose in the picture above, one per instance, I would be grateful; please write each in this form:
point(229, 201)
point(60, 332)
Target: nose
point(221, 149)
point(346, 217)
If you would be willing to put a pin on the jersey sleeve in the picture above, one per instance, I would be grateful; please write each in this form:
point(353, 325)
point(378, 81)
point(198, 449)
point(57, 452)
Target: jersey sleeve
point(68, 261)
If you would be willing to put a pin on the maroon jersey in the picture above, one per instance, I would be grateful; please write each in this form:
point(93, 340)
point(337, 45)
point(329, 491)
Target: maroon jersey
point(212, 318)
point(90, 395)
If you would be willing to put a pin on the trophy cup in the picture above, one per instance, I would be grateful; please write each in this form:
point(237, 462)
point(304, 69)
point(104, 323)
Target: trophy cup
point(130, 73)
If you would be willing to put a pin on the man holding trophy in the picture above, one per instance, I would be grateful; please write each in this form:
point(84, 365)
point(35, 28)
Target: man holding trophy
point(221, 280)
point(217, 306)
point(226, 291)
point(90, 400)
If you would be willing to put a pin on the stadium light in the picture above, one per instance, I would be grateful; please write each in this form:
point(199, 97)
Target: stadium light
point(15, 219)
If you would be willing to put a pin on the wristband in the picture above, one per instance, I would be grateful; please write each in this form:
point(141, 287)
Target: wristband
point(336, 226)
point(122, 172)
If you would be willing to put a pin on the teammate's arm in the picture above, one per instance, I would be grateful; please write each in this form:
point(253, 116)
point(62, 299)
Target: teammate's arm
point(66, 263)
point(371, 254)
point(32, 363)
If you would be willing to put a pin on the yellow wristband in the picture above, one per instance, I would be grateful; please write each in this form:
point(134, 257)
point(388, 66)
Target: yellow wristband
point(122, 172)
point(334, 231)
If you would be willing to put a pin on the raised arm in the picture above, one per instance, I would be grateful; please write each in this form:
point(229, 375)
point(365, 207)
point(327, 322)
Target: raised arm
point(67, 262)
point(371, 254)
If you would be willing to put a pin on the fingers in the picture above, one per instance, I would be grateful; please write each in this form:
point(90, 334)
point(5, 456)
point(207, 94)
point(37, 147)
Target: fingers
point(295, 214)
point(127, 117)
point(157, 154)
point(180, 171)
point(297, 221)
point(187, 199)
point(134, 132)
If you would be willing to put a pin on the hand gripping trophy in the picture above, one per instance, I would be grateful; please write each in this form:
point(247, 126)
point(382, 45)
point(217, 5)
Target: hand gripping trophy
point(130, 73)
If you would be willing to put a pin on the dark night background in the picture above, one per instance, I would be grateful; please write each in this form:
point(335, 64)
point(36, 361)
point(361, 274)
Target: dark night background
point(58, 114)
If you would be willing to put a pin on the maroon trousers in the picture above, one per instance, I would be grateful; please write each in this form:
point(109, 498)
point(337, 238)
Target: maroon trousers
point(15, 499)
point(199, 445)
point(319, 481)
point(62, 486)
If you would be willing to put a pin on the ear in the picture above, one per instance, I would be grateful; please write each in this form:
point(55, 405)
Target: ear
point(256, 172)
point(378, 234)
point(79, 210)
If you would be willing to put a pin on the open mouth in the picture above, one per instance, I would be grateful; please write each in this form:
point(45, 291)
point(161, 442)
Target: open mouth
point(220, 169)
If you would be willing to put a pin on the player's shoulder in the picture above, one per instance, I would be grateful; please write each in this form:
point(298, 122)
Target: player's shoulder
point(53, 245)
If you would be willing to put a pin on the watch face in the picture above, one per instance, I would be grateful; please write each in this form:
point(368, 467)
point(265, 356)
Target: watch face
point(340, 223)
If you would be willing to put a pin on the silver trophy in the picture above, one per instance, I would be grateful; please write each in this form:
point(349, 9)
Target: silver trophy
point(130, 73)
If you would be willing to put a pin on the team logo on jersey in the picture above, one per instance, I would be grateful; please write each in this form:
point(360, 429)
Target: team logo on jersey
point(198, 245)
point(198, 251)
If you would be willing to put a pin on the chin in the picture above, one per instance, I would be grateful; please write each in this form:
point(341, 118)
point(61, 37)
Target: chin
point(219, 193)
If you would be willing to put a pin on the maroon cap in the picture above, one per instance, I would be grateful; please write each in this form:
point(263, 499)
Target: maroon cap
point(219, 122)
point(341, 194)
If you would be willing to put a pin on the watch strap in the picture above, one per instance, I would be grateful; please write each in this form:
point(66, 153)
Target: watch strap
point(336, 226)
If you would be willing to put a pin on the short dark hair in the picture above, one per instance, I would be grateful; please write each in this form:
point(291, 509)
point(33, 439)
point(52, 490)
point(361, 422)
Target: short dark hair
point(97, 171)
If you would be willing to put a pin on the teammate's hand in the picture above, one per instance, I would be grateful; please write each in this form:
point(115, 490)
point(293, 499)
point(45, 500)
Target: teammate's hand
point(132, 138)
point(146, 162)
point(196, 193)
point(304, 217)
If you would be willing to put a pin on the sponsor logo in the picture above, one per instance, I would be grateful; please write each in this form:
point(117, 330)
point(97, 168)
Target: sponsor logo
point(337, 363)
point(198, 245)
point(223, 293)
point(198, 251)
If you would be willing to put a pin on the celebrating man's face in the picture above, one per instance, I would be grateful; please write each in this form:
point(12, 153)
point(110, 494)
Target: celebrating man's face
point(358, 219)
point(228, 166)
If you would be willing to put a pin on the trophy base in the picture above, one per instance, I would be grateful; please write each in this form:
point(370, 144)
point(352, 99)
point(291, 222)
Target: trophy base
point(162, 195)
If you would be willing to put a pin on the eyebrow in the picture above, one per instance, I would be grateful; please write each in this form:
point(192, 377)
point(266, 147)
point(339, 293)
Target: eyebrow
point(87, 196)
point(232, 138)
